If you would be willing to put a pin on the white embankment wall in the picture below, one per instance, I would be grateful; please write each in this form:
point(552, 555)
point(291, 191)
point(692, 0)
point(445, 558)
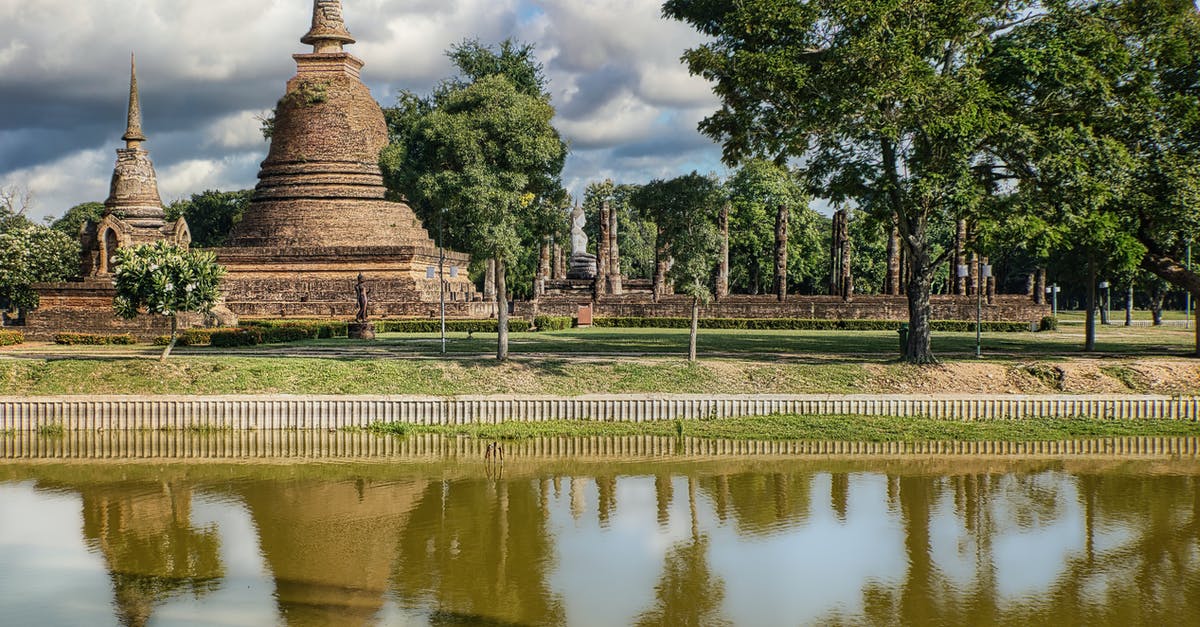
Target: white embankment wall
point(91, 413)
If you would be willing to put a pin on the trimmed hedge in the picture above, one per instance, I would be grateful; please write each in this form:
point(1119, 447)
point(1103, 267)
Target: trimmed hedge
point(553, 323)
point(190, 337)
point(94, 339)
point(317, 329)
point(1049, 323)
point(515, 325)
point(11, 338)
point(803, 324)
point(236, 337)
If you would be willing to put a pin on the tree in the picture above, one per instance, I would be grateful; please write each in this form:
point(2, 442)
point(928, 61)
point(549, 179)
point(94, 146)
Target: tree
point(882, 100)
point(165, 280)
point(1105, 112)
point(32, 253)
point(757, 191)
point(635, 234)
point(71, 223)
point(685, 210)
point(211, 215)
point(493, 156)
point(480, 154)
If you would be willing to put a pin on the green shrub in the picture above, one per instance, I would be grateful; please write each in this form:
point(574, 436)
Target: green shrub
point(515, 325)
point(191, 337)
point(283, 335)
point(94, 339)
point(11, 338)
point(1049, 323)
point(553, 323)
point(237, 337)
point(802, 324)
point(317, 329)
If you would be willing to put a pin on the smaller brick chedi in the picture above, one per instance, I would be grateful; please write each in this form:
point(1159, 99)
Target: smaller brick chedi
point(133, 215)
point(318, 217)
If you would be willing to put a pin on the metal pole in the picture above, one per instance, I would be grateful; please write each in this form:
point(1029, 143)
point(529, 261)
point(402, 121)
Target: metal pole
point(442, 277)
point(979, 312)
point(1054, 299)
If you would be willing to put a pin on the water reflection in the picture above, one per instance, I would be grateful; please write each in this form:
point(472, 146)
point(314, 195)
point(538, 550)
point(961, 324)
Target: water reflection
point(646, 542)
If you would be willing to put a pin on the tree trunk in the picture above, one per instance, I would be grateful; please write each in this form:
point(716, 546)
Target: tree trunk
point(723, 262)
point(170, 343)
point(1156, 306)
point(1089, 341)
point(781, 241)
point(1039, 286)
point(489, 281)
point(920, 283)
point(1129, 306)
point(1178, 275)
point(695, 326)
point(501, 311)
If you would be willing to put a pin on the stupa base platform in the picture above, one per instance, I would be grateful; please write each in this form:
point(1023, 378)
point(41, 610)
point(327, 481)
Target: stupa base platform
point(319, 283)
point(87, 307)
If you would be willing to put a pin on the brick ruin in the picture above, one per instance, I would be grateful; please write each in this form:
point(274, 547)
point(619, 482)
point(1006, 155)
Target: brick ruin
point(319, 216)
point(133, 215)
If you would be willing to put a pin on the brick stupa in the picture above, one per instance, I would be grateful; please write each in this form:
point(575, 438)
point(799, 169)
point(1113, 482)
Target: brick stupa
point(319, 216)
point(133, 215)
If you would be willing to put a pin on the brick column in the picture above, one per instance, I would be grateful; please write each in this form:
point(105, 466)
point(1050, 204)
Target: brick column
point(723, 262)
point(614, 252)
point(602, 251)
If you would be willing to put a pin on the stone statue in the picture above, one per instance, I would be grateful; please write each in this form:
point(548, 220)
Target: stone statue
point(578, 237)
point(583, 263)
point(360, 291)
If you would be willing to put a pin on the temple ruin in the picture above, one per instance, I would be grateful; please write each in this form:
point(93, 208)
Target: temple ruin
point(319, 216)
point(133, 215)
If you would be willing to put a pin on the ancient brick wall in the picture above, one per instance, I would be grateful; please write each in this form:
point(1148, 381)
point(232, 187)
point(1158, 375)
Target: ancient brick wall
point(87, 307)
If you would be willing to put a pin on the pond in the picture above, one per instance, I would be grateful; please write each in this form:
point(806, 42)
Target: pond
point(612, 533)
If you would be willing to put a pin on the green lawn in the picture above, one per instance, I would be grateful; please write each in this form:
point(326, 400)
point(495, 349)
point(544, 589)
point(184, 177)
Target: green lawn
point(821, 428)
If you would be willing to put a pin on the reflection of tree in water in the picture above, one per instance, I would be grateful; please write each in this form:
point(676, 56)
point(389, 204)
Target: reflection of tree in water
point(1152, 578)
point(478, 552)
point(144, 533)
point(743, 496)
point(688, 593)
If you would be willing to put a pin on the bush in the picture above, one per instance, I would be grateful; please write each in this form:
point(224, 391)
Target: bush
point(1049, 323)
point(317, 329)
point(283, 335)
point(237, 337)
point(11, 338)
point(515, 325)
point(553, 323)
point(190, 337)
point(94, 339)
point(803, 324)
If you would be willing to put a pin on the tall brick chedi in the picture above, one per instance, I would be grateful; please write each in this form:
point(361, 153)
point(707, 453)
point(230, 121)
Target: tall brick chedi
point(319, 216)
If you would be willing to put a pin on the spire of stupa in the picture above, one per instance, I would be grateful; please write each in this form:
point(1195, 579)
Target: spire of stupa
point(328, 33)
point(133, 131)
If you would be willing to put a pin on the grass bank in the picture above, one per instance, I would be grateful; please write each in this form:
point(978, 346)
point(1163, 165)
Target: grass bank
point(819, 428)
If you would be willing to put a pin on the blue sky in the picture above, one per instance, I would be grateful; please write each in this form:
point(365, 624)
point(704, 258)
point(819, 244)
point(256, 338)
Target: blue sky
point(208, 70)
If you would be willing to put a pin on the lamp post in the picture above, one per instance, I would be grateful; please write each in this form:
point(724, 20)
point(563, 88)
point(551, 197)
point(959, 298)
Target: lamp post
point(1053, 292)
point(985, 272)
point(442, 275)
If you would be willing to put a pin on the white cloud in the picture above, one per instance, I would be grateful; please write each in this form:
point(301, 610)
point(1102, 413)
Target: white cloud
point(206, 69)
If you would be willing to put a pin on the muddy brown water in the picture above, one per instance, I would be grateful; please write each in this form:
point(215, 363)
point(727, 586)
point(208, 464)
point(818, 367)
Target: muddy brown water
point(602, 532)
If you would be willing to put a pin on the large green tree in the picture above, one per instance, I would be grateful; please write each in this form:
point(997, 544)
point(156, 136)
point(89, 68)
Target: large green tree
point(685, 211)
point(488, 154)
point(32, 253)
point(882, 100)
point(1105, 108)
point(635, 234)
point(211, 215)
point(165, 280)
point(71, 222)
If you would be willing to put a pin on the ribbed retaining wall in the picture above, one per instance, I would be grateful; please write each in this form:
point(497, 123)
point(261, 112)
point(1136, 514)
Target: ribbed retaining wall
point(280, 413)
point(325, 445)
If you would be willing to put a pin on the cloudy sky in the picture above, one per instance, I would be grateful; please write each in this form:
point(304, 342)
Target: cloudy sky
point(208, 69)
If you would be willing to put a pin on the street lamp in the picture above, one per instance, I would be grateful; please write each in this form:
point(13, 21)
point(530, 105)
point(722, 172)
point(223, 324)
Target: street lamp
point(985, 272)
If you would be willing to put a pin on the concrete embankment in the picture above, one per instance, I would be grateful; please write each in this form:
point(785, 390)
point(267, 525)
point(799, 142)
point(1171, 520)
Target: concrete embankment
point(131, 413)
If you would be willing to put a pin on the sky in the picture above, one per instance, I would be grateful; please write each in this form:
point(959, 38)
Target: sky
point(208, 70)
